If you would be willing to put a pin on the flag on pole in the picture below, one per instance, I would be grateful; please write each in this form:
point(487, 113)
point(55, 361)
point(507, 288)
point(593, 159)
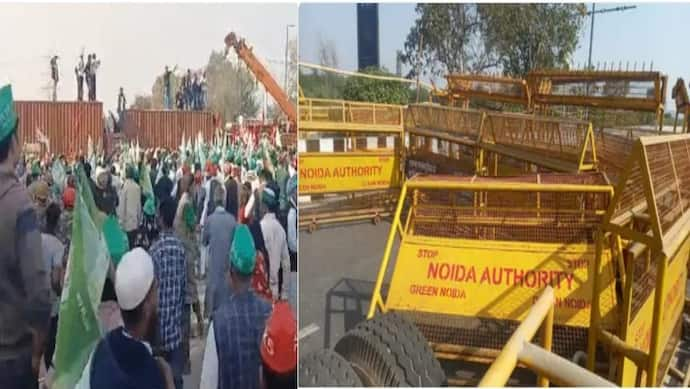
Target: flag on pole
point(78, 328)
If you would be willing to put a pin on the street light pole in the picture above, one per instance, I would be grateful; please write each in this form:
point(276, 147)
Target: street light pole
point(591, 37)
point(591, 29)
point(287, 41)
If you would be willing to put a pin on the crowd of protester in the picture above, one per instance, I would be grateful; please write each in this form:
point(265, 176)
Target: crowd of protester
point(229, 223)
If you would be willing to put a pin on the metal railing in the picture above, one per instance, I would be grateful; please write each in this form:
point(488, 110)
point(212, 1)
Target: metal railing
point(350, 116)
point(549, 366)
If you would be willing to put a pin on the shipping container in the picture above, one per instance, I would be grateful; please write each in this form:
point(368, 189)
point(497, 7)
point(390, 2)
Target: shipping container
point(158, 128)
point(66, 124)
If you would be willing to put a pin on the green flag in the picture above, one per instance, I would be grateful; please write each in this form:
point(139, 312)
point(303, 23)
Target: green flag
point(78, 328)
point(145, 181)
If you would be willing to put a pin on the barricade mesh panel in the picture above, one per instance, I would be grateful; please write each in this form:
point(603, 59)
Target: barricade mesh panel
point(509, 215)
point(341, 111)
point(490, 333)
point(468, 86)
point(520, 136)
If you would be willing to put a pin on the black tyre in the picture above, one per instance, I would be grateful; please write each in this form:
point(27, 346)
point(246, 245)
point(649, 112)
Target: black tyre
point(390, 351)
point(327, 368)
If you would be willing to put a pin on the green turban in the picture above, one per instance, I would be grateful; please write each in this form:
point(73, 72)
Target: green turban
point(242, 251)
point(269, 196)
point(150, 206)
point(8, 116)
point(36, 168)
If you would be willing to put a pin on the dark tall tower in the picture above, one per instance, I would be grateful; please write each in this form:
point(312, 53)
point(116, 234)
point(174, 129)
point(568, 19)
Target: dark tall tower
point(367, 35)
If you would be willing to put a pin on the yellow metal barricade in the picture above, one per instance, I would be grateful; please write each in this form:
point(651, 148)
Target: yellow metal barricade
point(476, 252)
point(349, 161)
point(649, 222)
point(445, 140)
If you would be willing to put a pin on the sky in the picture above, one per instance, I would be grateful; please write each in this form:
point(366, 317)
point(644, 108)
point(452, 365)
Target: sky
point(133, 41)
point(653, 32)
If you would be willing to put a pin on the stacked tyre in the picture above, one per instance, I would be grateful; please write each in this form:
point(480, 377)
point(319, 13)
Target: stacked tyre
point(387, 350)
point(327, 368)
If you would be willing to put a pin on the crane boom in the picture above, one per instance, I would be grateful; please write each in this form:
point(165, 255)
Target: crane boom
point(261, 74)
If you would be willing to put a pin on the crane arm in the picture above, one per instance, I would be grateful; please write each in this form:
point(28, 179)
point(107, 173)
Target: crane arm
point(262, 74)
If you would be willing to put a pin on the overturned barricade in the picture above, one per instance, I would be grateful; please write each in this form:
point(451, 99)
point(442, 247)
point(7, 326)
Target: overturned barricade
point(447, 140)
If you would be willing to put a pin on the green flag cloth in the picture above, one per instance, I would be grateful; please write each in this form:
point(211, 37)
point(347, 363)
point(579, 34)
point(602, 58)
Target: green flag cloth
point(150, 205)
point(145, 181)
point(8, 116)
point(59, 176)
point(78, 327)
point(115, 238)
point(189, 216)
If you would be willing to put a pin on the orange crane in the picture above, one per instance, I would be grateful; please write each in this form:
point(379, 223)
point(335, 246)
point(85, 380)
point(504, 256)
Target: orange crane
point(261, 74)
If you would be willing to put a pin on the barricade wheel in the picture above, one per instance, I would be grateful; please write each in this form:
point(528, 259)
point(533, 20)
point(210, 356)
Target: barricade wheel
point(390, 351)
point(327, 368)
point(377, 219)
point(312, 227)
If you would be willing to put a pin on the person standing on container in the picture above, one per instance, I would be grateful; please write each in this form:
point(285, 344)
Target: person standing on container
point(87, 77)
point(167, 93)
point(204, 91)
point(54, 75)
point(188, 90)
point(79, 72)
point(25, 301)
point(95, 64)
point(121, 103)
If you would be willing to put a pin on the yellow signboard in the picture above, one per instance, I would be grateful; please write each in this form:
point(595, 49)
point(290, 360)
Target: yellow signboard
point(640, 329)
point(347, 172)
point(499, 280)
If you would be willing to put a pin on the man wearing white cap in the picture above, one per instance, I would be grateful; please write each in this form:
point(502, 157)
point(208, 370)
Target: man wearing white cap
point(124, 358)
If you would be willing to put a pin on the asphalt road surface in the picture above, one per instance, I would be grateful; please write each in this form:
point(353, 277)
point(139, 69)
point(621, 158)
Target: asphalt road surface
point(337, 271)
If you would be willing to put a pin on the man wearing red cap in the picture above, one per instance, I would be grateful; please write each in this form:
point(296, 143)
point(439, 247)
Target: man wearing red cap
point(279, 349)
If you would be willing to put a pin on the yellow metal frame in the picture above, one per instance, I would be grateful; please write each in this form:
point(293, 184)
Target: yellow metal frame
point(459, 88)
point(519, 349)
point(350, 119)
point(663, 246)
point(541, 84)
point(433, 182)
point(524, 143)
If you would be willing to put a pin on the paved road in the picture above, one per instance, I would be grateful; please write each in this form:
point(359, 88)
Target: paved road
point(337, 271)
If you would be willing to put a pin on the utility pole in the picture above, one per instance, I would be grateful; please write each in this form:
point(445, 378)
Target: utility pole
point(287, 44)
point(591, 29)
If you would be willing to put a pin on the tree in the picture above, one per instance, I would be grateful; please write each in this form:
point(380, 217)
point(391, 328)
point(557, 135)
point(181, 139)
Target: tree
point(376, 91)
point(323, 84)
point(446, 38)
point(232, 89)
point(327, 54)
point(531, 36)
point(141, 102)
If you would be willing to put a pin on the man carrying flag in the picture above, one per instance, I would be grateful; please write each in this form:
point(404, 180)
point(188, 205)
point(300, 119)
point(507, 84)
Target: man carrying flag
point(25, 297)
